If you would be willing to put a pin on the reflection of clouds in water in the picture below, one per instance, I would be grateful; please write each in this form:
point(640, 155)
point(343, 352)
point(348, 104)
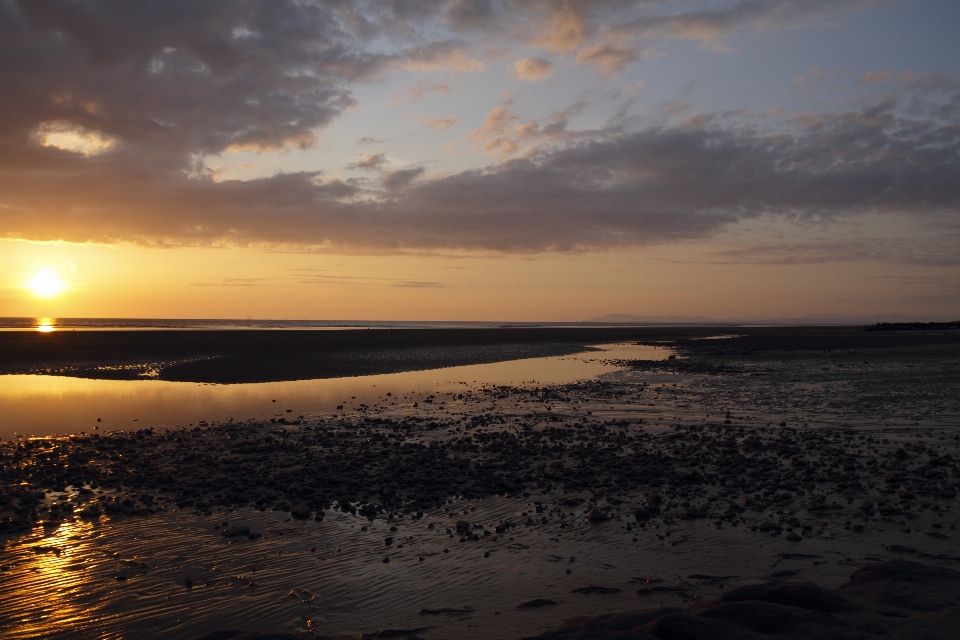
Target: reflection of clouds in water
point(45, 405)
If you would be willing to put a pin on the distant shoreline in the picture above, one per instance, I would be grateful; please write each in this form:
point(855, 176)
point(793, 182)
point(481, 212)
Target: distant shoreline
point(613, 321)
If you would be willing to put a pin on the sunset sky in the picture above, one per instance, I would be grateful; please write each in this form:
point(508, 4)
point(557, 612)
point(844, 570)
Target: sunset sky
point(479, 159)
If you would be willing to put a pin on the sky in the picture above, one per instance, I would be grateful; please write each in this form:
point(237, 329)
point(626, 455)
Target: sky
point(514, 160)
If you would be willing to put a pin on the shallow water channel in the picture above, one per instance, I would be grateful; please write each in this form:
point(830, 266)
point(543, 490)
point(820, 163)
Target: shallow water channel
point(39, 405)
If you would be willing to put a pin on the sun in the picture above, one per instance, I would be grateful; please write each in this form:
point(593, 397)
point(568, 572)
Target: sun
point(46, 284)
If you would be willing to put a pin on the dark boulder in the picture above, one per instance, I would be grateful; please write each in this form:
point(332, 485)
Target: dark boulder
point(907, 584)
point(596, 516)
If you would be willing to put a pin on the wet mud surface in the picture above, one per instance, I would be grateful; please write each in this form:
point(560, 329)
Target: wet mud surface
point(501, 511)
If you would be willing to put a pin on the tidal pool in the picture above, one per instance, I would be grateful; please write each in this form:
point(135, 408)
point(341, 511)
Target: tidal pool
point(39, 405)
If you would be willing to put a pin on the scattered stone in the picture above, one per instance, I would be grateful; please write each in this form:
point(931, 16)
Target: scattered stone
point(596, 589)
point(445, 611)
point(796, 610)
point(236, 530)
point(536, 603)
point(301, 511)
point(596, 516)
point(897, 548)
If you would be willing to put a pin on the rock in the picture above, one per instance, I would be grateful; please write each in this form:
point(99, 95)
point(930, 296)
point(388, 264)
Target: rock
point(786, 573)
point(694, 513)
point(536, 603)
point(642, 514)
point(445, 611)
point(897, 548)
point(795, 611)
point(611, 625)
point(596, 589)
point(393, 633)
point(234, 634)
point(793, 537)
point(463, 525)
point(596, 516)
point(805, 595)
point(907, 584)
point(236, 530)
point(301, 511)
point(761, 617)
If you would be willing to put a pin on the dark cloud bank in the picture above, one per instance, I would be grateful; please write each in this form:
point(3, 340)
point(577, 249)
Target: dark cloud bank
point(150, 88)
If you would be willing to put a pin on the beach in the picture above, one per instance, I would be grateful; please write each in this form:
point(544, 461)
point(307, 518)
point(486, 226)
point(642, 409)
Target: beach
point(499, 510)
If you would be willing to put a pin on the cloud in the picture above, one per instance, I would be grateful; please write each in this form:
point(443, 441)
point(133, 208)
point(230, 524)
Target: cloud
point(402, 177)
point(418, 284)
point(370, 161)
point(435, 123)
point(120, 106)
point(675, 107)
point(168, 82)
point(420, 89)
point(828, 250)
point(313, 276)
point(533, 68)
point(229, 282)
point(565, 31)
point(612, 188)
point(875, 77)
point(501, 132)
point(71, 137)
point(449, 55)
point(816, 76)
point(467, 15)
point(710, 25)
point(612, 58)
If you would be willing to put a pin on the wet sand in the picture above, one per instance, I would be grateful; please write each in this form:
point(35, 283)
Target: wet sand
point(664, 484)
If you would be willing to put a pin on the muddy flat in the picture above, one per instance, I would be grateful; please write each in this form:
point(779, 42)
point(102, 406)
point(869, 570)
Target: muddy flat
point(661, 484)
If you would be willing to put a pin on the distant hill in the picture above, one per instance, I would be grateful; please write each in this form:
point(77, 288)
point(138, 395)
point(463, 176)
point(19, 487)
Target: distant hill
point(627, 318)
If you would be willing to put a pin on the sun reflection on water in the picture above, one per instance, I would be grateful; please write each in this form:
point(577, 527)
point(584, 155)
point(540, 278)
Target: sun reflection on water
point(45, 597)
point(46, 325)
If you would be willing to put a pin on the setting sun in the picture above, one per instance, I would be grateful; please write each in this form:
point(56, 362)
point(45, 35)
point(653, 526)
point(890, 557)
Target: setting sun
point(46, 284)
